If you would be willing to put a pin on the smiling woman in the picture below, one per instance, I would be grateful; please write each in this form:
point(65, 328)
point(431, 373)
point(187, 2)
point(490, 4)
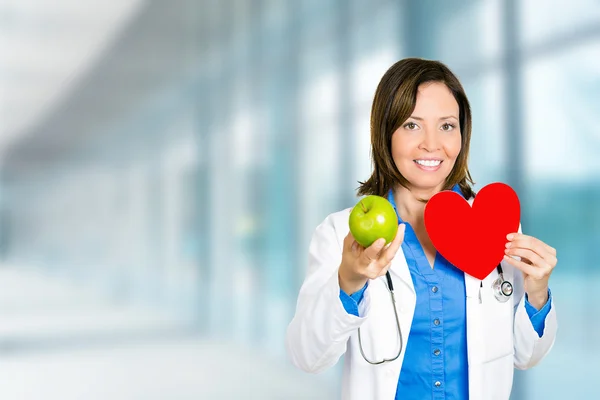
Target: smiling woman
point(418, 100)
point(442, 333)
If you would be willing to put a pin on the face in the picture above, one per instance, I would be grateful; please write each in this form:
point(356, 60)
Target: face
point(426, 145)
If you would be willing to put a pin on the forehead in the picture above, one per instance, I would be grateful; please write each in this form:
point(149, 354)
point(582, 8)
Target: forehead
point(434, 97)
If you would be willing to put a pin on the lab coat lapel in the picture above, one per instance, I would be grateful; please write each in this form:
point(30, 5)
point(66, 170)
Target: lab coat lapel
point(472, 285)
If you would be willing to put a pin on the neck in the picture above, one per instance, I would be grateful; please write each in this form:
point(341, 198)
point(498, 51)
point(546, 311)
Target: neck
point(409, 206)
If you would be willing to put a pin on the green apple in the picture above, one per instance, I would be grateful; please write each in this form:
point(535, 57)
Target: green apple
point(373, 217)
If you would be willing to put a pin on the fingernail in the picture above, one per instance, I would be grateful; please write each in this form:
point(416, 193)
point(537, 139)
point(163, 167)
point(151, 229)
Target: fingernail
point(508, 245)
point(510, 236)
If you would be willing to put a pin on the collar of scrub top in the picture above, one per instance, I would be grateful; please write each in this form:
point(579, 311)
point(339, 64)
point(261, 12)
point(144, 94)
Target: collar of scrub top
point(390, 197)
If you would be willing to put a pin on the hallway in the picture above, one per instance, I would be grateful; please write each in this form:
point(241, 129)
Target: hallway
point(58, 341)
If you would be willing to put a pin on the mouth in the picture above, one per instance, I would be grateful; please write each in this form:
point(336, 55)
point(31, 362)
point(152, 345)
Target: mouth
point(429, 165)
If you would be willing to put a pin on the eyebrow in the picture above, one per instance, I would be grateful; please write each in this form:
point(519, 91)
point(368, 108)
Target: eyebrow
point(421, 119)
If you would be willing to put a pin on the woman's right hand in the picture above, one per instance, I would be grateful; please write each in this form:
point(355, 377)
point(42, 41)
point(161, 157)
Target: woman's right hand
point(360, 264)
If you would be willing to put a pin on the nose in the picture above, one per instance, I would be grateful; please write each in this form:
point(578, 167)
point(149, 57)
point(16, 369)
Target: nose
point(430, 141)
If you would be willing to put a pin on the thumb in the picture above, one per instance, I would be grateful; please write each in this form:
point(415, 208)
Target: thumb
point(371, 253)
point(398, 239)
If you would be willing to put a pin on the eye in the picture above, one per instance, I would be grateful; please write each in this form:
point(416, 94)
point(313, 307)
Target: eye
point(448, 127)
point(410, 126)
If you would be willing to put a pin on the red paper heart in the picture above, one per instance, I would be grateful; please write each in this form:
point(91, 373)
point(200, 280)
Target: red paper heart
point(473, 238)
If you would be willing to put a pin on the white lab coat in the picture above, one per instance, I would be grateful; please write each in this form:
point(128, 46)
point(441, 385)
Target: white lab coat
point(500, 336)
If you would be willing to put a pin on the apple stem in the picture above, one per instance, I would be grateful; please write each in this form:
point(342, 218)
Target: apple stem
point(363, 206)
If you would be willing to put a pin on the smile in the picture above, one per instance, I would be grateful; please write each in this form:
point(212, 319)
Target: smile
point(428, 165)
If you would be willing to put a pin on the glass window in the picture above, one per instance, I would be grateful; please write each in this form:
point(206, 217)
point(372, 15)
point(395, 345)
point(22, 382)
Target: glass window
point(365, 76)
point(541, 21)
point(319, 153)
point(487, 152)
point(561, 96)
point(562, 167)
point(480, 22)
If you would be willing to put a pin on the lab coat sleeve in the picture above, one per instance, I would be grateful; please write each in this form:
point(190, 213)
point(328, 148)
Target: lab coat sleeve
point(530, 348)
point(318, 334)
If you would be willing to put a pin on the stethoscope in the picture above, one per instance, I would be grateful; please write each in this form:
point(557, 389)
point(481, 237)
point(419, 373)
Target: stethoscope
point(502, 291)
point(390, 287)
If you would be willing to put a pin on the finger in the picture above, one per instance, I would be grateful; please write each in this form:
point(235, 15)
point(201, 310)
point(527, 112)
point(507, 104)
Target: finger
point(399, 236)
point(533, 243)
point(388, 255)
point(370, 254)
point(355, 248)
point(527, 243)
point(531, 270)
point(526, 261)
point(384, 270)
point(348, 241)
point(528, 255)
point(538, 249)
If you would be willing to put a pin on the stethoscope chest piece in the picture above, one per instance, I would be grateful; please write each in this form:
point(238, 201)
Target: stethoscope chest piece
point(502, 289)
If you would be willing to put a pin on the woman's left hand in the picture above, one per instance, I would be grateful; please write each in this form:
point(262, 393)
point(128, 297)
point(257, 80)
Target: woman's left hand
point(537, 262)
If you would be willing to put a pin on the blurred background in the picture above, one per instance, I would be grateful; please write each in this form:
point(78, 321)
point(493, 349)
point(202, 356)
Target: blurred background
point(164, 164)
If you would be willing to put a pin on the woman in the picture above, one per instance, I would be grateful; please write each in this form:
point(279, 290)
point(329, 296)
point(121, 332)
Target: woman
point(456, 339)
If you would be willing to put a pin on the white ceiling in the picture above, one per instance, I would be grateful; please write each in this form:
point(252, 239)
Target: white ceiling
point(45, 47)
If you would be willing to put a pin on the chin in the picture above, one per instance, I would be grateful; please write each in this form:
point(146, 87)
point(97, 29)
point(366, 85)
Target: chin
point(427, 185)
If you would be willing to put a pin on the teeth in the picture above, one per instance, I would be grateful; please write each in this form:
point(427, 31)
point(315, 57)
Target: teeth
point(428, 163)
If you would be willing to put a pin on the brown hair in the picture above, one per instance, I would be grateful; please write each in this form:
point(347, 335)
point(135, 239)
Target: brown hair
point(394, 102)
